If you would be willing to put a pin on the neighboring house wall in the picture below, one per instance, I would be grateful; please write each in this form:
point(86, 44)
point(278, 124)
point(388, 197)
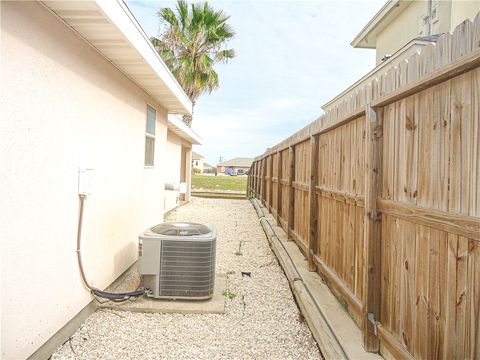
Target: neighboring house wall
point(408, 25)
point(67, 107)
point(186, 174)
point(462, 10)
point(198, 164)
point(208, 169)
point(400, 31)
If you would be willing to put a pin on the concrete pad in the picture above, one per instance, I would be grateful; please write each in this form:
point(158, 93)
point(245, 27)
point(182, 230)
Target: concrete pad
point(215, 305)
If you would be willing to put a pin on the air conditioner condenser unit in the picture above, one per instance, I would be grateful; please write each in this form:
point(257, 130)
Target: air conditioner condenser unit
point(177, 260)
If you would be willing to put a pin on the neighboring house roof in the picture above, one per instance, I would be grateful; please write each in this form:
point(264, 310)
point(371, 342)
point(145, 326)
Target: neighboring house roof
point(238, 161)
point(367, 38)
point(110, 27)
point(205, 165)
point(196, 156)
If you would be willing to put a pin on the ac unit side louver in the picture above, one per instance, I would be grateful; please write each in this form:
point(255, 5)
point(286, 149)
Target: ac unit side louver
point(177, 260)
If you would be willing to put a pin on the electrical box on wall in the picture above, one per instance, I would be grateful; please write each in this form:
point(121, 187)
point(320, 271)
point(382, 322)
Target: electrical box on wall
point(85, 181)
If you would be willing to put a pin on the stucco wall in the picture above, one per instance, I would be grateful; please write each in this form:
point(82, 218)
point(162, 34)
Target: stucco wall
point(401, 30)
point(64, 107)
point(173, 160)
point(406, 26)
point(172, 164)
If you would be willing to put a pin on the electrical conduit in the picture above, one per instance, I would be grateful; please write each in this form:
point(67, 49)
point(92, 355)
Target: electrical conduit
point(103, 294)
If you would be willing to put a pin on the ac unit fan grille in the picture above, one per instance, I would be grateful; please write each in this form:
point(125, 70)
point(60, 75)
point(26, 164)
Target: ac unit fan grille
point(187, 268)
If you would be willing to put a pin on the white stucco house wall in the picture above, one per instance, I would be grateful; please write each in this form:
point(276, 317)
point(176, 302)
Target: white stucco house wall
point(175, 165)
point(197, 161)
point(82, 88)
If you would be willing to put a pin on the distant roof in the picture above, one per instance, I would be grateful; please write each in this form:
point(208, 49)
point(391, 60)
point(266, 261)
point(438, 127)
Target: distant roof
point(196, 156)
point(238, 161)
point(205, 165)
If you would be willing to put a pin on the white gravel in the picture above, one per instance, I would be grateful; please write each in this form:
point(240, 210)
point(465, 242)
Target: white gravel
point(261, 322)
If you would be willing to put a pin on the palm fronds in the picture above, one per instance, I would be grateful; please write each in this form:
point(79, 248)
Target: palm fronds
point(193, 40)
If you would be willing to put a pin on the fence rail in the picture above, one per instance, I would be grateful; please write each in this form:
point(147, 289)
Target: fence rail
point(382, 195)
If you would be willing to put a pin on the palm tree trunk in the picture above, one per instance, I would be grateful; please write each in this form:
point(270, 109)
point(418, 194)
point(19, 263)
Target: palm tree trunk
point(187, 119)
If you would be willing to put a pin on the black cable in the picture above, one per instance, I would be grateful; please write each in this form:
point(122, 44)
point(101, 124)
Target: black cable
point(119, 296)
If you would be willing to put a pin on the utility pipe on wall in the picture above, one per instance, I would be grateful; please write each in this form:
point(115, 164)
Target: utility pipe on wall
point(93, 290)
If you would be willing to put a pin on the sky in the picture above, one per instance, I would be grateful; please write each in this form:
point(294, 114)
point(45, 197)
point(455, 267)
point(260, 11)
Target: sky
point(291, 58)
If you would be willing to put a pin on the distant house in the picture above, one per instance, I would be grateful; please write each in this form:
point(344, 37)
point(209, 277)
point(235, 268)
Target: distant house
point(232, 166)
point(208, 169)
point(401, 29)
point(400, 22)
point(197, 162)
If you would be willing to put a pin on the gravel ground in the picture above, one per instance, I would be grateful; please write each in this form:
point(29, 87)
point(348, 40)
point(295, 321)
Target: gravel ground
point(262, 321)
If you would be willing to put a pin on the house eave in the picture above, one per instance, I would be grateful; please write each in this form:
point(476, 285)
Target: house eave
point(178, 127)
point(110, 28)
point(367, 38)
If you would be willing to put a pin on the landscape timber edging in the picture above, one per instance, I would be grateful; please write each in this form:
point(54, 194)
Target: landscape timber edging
point(326, 339)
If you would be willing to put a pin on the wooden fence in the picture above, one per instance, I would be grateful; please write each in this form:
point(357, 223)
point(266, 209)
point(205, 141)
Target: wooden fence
point(382, 195)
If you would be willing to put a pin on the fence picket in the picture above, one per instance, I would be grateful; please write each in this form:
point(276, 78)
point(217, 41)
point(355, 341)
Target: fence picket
point(385, 200)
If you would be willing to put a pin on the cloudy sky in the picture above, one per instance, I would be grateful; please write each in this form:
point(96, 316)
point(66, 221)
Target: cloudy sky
point(292, 57)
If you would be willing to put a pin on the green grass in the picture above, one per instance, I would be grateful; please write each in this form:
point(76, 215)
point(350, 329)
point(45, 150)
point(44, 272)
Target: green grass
point(237, 183)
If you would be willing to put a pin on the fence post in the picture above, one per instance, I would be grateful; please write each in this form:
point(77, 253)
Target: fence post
point(257, 171)
point(252, 173)
point(264, 180)
point(255, 184)
point(291, 190)
point(312, 197)
point(372, 229)
point(260, 179)
point(270, 188)
point(279, 185)
point(249, 180)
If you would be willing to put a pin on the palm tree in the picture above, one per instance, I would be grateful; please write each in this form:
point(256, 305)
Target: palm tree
point(191, 43)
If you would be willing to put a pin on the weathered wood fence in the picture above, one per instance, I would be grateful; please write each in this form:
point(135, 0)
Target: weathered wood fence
point(382, 195)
